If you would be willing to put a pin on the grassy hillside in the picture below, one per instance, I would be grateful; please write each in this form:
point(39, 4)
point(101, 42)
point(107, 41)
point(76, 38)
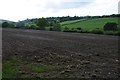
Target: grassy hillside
point(88, 25)
point(71, 22)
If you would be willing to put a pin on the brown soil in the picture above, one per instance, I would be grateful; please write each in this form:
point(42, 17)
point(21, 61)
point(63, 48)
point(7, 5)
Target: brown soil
point(79, 55)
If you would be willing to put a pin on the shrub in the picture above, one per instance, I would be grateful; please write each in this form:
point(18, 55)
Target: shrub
point(112, 33)
point(31, 26)
point(48, 28)
point(110, 26)
point(56, 27)
point(118, 33)
point(73, 30)
point(84, 31)
point(8, 25)
point(5, 24)
point(65, 29)
point(97, 31)
point(79, 30)
point(42, 23)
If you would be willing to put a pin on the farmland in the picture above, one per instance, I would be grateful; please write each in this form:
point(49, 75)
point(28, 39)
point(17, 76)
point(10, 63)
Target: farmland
point(88, 24)
point(49, 54)
point(64, 48)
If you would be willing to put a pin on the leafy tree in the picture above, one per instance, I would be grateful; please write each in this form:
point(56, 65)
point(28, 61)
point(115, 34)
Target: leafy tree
point(31, 26)
point(97, 31)
point(66, 29)
point(20, 25)
point(5, 24)
point(57, 27)
point(42, 23)
point(12, 25)
point(110, 26)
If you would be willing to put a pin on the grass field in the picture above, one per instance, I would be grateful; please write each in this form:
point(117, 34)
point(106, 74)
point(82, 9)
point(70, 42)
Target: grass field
point(14, 67)
point(88, 25)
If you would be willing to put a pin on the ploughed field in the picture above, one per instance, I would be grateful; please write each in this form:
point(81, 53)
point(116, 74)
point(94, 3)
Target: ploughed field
point(47, 54)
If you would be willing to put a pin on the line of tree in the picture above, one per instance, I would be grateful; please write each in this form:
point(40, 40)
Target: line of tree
point(53, 23)
point(8, 24)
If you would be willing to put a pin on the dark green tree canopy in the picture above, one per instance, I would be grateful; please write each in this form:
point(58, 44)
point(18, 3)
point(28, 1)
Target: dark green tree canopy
point(42, 23)
point(5, 24)
point(110, 26)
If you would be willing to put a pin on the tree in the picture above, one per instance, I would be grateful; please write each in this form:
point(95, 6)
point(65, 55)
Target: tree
point(20, 24)
point(31, 26)
point(42, 23)
point(5, 24)
point(56, 27)
point(110, 26)
point(66, 29)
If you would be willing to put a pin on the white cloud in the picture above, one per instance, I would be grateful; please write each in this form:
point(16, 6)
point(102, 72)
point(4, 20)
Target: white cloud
point(21, 9)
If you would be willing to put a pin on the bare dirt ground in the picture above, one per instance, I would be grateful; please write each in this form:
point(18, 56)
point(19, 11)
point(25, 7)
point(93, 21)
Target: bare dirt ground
point(78, 55)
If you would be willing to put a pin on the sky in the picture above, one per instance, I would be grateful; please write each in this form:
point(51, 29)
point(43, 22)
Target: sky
point(16, 10)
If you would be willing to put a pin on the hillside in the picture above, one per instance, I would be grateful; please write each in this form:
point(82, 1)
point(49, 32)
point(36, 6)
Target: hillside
point(1, 21)
point(89, 24)
point(11, 23)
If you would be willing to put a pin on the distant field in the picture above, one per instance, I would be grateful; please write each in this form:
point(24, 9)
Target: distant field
point(88, 25)
point(70, 22)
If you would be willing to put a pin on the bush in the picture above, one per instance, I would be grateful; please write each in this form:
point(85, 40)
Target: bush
point(5, 24)
point(48, 28)
point(84, 31)
point(73, 30)
point(31, 26)
point(8, 25)
point(79, 30)
point(117, 33)
point(42, 23)
point(65, 29)
point(97, 31)
point(110, 26)
point(56, 27)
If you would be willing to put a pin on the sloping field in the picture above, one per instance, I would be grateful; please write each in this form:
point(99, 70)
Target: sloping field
point(45, 54)
point(89, 24)
point(71, 22)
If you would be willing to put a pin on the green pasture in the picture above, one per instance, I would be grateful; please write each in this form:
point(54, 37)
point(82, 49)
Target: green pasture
point(89, 24)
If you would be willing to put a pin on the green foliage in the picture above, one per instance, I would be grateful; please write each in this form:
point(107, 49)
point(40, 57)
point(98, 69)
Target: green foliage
point(15, 67)
point(73, 30)
point(65, 29)
point(47, 28)
point(20, 25)
point(90, 24)
point(112, 33)
point(42, 23)
point(8, 24)
point(79, 30)
point(97, 31)
point(5, 24)
point(56, 27)
point(118, 33)
point(31, 26)
point(110, 26)
point(10, 68)
point(95, 26)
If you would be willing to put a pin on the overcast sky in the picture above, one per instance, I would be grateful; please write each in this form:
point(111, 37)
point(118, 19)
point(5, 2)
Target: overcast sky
point(15, 10)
